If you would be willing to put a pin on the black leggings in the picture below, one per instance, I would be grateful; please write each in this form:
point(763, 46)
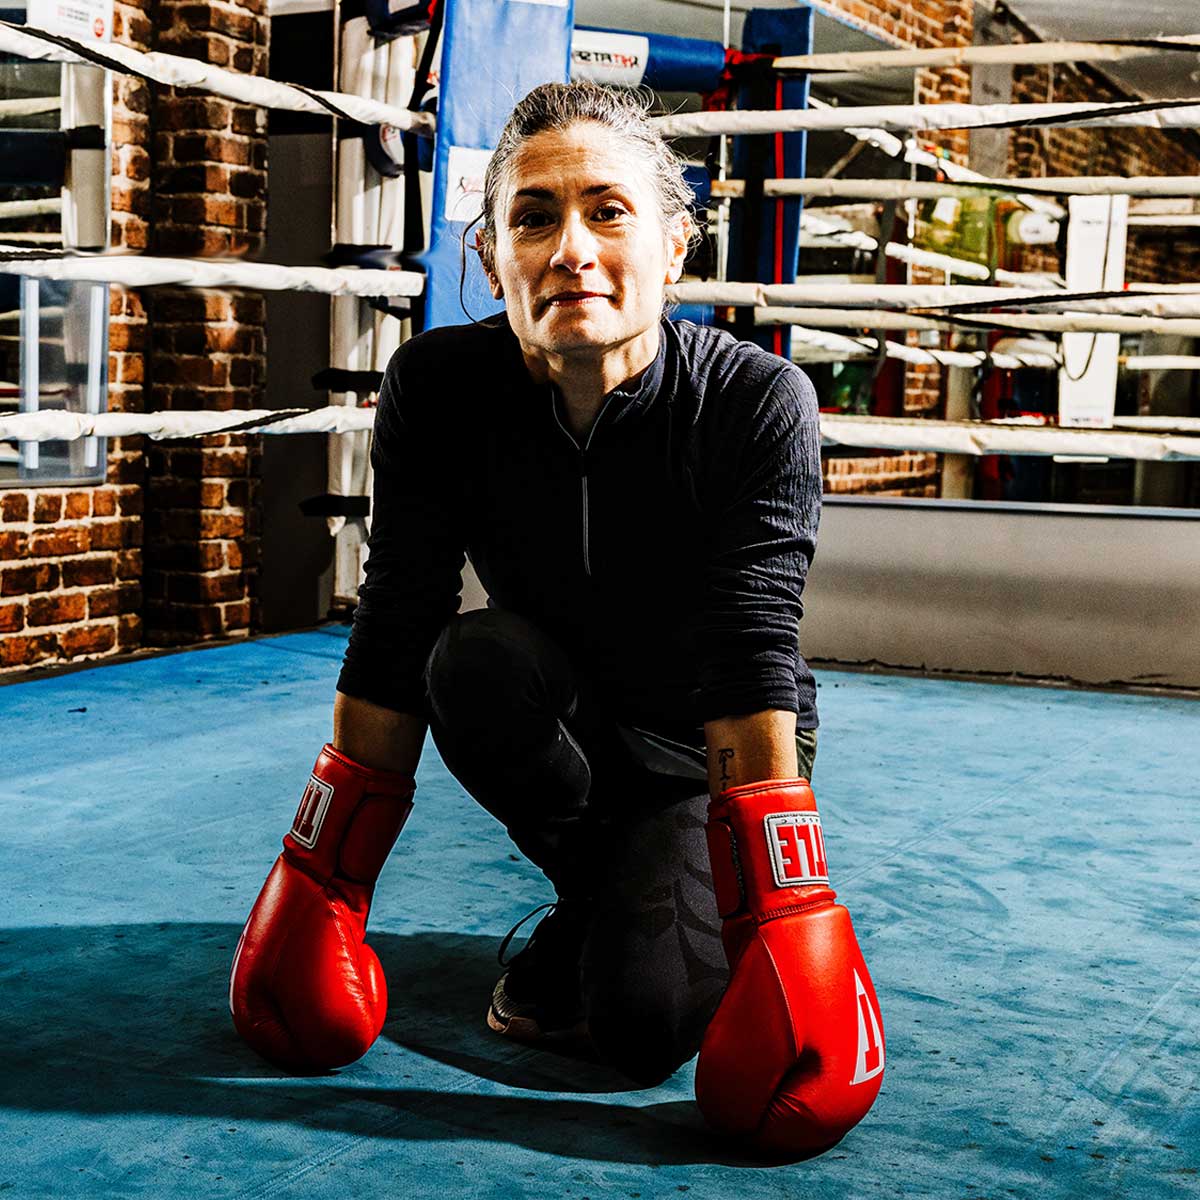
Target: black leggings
point(606, 818)
point(514, 723)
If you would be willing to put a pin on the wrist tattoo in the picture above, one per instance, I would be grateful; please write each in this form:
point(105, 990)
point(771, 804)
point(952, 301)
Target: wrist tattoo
point(724, 756)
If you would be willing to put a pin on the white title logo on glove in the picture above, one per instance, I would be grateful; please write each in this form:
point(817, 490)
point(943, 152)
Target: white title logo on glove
point(869, 1061)
point(797, 848)
point(310, 816)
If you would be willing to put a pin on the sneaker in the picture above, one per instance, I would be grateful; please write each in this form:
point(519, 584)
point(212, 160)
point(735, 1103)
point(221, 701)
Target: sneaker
point(539, 998)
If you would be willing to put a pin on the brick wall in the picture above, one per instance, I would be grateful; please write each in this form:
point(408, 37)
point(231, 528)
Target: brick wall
point(70, 558)
point(1169, 258)
point(910, 473)
point(188, 178)
point(207, 347)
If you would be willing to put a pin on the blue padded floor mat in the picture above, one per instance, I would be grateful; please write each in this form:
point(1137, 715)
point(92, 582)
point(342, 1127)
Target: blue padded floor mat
point(1021, 866)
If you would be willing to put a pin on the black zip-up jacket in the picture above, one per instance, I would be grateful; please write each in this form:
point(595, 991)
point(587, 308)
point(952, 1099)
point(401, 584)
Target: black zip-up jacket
point(666, 554)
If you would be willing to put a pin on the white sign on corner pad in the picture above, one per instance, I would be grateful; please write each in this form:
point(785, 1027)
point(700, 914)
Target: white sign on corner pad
point(464, 183)
point(84, 20)
point(618, 59)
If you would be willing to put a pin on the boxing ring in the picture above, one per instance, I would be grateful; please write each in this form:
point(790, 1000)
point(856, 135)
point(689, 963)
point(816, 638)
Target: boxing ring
point(1019, 859)
point(1020, 862)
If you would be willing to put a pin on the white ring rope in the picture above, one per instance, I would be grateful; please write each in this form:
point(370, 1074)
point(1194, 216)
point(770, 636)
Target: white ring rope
point(190, 73)
point(1156, 300)
point(878, 433)
point(132, 270)
point(975, 439)
point(1165, 114)
point(841, 347)
point(1010, 354)
point(11, 209)
point(1160, 362)
point(919, 189)
point(53, 426)
point(1022, 53)
point(912, 152)
point(49, 239)
point(859, 318)
point(30, 106)
point(1162, 300)
point(1164, 220)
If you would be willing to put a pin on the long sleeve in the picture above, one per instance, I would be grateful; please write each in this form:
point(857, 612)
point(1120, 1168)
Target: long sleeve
point(416, 549)
point(762, 508)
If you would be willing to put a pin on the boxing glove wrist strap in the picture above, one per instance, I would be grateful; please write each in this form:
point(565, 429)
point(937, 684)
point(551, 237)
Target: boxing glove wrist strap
point(766, 850)
point(349, 818)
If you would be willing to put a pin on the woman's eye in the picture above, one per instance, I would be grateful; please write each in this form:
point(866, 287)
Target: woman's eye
point(610, 212)
point(531, 220)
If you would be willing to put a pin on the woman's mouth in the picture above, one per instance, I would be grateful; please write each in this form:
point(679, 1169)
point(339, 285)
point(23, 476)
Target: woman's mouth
point(573, 299)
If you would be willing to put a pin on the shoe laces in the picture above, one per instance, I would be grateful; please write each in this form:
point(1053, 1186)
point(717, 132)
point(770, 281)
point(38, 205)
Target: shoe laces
point(512, 933)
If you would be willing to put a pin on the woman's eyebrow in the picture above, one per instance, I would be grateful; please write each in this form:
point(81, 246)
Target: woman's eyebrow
point(535, 193)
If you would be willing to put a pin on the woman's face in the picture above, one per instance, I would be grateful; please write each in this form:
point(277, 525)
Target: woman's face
point(581, 254)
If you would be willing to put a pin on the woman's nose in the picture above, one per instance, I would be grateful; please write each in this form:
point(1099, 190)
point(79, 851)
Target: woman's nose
point(576, 249)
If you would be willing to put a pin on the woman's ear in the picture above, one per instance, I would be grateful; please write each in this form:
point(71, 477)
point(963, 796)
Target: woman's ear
point(485, 260)
point(678, 235)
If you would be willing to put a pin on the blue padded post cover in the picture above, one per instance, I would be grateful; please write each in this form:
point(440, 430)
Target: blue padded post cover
point(775, 32)
point(493, 53)
point(658, 61)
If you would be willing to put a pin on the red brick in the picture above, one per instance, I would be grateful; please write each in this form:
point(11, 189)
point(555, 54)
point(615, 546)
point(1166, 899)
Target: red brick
point(232, 339)
point(106, 535)
point(224, 464)
point(249, 309)
point(227, 586)
point(22, 581)
point(109, 602)
point(12, 617)
point(77, 505)
point(13, 544)
point(87, 639)
point(25, 651)
point(56, 609)
point(131, 368)
point(131, 502)
point(212, 493)
point(248, 121)
point(126, 471)
point(54, 543)
point(88, 572)
point(47, 506)
point(129, 631)
point(222, 525)
point(237, 616)
point(14, 506)
point(129, 564)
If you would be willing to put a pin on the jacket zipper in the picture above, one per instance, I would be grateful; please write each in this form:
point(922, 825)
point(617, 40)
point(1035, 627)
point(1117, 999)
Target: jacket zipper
point(587, 563)
point(583, 479)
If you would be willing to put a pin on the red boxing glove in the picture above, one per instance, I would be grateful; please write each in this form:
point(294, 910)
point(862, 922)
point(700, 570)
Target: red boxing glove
point(305, 990)
point(793, 1058)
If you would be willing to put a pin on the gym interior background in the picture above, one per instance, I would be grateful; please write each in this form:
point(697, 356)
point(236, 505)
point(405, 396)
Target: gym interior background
point(183, 542)
point(1020, 859)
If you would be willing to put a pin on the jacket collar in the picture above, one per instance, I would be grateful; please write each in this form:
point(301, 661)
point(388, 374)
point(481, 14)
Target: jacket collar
point(624, 403)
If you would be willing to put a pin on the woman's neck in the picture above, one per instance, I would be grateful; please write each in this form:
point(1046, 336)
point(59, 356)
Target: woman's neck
point(584, 379)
